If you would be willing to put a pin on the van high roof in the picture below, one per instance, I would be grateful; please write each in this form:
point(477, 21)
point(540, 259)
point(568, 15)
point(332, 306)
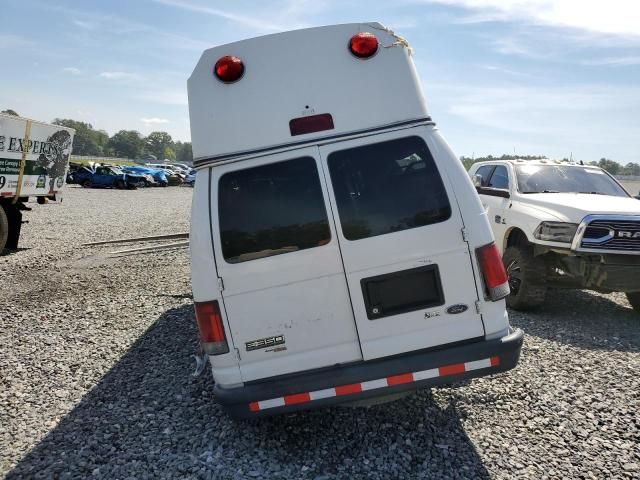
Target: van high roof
point(296, 75)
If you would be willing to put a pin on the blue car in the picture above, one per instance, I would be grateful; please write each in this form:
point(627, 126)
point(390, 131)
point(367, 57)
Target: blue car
point(191, 177)
point(108, 177)
point(159, 176)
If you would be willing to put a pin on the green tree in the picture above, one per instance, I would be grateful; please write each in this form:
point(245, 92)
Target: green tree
point(631, 169)
point(127, 143)
point(86, 141)
point(157, 142)
point(610, 166)
point(184, 153)
point(8, 111)
point(168, 154)
point(468, 161)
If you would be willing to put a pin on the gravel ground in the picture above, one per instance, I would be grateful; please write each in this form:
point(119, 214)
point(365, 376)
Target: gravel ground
point(95, 364)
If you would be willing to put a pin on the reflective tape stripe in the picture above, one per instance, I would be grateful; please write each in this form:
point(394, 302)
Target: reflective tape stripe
point(353, 388)
point(320, 394)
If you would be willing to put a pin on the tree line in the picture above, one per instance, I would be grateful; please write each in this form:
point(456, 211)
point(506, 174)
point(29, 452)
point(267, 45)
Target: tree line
point(123, 144)
point(611, 166)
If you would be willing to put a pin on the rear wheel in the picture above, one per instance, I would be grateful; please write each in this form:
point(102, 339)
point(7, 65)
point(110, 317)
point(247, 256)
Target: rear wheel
point(86, 183)
point(526, 278)
point(120, 184)
point(634, 300)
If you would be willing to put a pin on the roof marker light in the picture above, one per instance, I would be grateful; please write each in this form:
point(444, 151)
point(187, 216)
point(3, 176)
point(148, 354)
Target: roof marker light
point(228, 69)
point(363, 44)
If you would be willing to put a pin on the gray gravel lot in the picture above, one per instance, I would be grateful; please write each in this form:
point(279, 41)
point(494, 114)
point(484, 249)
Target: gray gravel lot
point(95, 364)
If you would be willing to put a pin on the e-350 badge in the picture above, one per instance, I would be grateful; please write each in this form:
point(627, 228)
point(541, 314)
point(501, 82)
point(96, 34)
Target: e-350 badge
point(264, 343)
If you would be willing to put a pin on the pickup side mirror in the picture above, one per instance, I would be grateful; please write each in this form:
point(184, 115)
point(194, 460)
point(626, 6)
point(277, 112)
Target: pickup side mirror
point(477, 180)
point(493, 192)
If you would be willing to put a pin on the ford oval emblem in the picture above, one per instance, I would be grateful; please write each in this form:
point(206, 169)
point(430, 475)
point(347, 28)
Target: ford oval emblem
point(458, 308)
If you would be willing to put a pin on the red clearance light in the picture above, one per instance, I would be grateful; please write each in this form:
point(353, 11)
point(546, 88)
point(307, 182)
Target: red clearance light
point(493, 272)
point(229, 69)
point(310, 124)
point(212, 336)
point(363, 44)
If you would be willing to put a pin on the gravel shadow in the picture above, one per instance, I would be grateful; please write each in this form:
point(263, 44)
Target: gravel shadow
point(148, 418)
point(583, 319)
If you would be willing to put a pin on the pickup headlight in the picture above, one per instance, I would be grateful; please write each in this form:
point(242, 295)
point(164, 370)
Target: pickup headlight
point(556, 231)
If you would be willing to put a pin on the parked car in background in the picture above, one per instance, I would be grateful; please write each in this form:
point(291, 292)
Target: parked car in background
point(191, 178)
point(108, 177)
point(183, 166)
point(158, 176)
point(561, 225)
point(174, 175)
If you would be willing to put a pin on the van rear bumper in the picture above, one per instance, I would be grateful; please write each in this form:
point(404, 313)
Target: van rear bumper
point(358, 381)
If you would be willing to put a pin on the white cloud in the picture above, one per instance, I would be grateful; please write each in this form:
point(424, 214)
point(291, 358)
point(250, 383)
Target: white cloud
point(216, 12)
point(153, 121)
point(592, 120)
point(72, 70)
point(120, 76)
point(84, 25)
point(495, 68)
point(165, 97)
point(619, 17)
point(14, 41)
point(259, 23)
point(614, 61)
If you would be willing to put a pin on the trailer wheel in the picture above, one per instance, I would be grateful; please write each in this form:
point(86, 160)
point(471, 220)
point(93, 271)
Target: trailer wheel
point(526, 278)
point(634, 300)
point(4, 228)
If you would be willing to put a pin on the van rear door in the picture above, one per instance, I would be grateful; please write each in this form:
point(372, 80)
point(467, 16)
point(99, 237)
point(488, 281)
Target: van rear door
point(284, 287)
point(408, 267)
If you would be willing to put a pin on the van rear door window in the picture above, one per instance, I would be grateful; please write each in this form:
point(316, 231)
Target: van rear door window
point(271, 209)
point(387, 187)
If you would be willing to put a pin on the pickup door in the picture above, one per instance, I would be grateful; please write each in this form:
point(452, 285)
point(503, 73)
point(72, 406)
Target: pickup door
point(400, 235)
point(495, 196)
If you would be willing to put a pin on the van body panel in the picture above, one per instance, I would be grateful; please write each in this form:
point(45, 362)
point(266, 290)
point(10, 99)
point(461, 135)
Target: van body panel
point(203, 267)
point(385, 376)
point(440, 244)
point(296, 302)
point(295, 74)
point(344, 259)
point(204, 277)
point(478, 231)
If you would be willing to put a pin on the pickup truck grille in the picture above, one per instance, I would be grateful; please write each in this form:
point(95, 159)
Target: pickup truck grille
point(603, 234)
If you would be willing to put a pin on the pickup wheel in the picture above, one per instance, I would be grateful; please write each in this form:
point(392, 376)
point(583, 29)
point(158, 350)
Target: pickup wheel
point(634, 300)
point(526, 278)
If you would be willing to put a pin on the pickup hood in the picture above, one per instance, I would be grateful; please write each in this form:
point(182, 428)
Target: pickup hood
point(572, 207)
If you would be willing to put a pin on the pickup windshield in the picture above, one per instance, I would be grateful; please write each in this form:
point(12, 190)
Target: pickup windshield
point(566, 179)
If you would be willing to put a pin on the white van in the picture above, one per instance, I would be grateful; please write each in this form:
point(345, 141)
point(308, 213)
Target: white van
point(339, 250)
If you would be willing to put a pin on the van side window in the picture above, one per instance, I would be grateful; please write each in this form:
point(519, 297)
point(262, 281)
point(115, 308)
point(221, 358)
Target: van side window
point(387, 187)
point(271, 210)
point(485, 173)
point(499, 178)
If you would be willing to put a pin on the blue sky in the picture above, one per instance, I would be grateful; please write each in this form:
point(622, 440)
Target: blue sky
point(530, 76)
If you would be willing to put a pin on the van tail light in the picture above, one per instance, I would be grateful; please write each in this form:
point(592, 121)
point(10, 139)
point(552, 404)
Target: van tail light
point(228, 69)
point(363, 45)
point(212, 336)
point(311, 124)
point(494, 275)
